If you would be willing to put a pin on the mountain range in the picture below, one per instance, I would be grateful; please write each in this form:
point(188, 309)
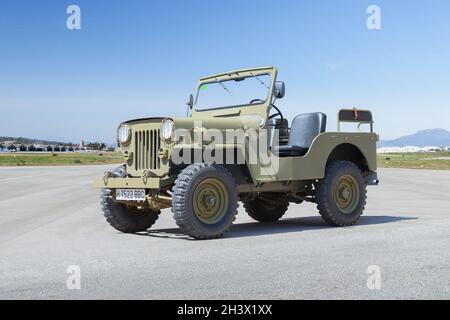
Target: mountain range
point(423, 138)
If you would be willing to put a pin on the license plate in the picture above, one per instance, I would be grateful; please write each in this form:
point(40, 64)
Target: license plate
point(130, 194)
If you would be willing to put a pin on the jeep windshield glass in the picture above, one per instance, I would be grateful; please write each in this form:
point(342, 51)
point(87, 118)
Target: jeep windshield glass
point(253, 89)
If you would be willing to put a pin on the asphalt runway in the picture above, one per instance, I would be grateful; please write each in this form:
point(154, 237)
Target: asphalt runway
point(50, 219)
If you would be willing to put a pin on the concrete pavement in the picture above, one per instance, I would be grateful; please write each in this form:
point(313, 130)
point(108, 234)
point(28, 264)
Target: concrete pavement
point(50, 219)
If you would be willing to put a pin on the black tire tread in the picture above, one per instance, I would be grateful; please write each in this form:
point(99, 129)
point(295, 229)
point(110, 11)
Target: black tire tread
point(122, 218)
point(179, 197)
point(323, 204)
point(258, 212)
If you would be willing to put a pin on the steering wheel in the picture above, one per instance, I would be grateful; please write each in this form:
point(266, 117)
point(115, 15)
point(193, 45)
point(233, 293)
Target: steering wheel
point(278, 113)
point(255, 100)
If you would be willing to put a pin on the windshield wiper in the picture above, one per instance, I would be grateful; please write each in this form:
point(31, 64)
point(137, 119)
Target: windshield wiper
point(223, 86)
point(259, 80)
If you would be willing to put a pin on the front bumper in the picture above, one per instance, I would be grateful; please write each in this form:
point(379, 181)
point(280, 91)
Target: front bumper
point(128, 183)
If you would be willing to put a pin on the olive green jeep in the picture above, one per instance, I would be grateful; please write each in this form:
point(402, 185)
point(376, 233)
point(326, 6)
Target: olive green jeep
point(236, 145)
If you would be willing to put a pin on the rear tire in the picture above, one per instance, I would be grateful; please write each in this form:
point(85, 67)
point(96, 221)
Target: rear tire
point(341, 195)
point(263, 209)
point(123, 218)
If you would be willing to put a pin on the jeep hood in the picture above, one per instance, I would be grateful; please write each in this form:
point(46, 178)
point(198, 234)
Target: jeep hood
point(144, 120)
point(220, 123)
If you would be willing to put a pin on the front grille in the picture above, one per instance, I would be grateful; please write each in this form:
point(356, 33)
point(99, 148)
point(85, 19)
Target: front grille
point(146, 146)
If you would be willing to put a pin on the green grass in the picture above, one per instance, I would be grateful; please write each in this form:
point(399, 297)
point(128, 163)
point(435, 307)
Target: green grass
point(432, 161)
point(58, 158)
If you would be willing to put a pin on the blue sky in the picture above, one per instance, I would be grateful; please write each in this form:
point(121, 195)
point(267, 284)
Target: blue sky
point(143, 58)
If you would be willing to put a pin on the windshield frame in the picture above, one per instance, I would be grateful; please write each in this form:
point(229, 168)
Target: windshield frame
point(237, 75)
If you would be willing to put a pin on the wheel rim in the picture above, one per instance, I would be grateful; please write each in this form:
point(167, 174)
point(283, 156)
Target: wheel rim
point(210, 200)
point(346, 193)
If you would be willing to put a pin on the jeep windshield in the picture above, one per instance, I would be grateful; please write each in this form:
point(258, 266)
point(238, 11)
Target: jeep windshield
point(247, 90)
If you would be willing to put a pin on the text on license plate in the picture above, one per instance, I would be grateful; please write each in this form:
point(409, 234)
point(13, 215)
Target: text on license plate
point(130, 194)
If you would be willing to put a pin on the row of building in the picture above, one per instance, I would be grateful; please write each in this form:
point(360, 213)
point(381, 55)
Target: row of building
point(41, 148)
point(81, 147)
point(412, 149)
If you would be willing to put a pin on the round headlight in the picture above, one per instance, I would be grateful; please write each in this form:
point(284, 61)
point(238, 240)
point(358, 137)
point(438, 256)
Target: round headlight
point(168, 130)
point(123, 134)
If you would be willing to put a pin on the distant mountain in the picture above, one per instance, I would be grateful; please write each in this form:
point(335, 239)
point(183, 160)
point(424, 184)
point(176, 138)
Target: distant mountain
point(424, 138)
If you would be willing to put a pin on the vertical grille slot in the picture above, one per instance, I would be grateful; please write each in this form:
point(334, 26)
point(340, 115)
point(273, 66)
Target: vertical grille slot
point(146, 146)
point(136, 150)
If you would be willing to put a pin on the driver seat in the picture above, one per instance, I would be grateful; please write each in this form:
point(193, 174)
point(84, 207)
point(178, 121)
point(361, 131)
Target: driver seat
point(304, 129)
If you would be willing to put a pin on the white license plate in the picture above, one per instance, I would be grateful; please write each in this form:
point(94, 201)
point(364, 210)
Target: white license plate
point(130, 194)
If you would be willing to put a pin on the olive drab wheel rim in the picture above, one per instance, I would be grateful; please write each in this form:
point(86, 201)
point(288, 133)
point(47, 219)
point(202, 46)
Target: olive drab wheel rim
point(210, 200)
point(346, 193)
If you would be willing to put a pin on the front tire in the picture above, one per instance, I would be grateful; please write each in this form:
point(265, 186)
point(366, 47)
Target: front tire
point(341, 194)
point(123, 218)
point(204, 201)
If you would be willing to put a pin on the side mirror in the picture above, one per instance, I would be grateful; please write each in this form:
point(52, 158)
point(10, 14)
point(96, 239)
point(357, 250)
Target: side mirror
point(279, 89)
point(190, 103)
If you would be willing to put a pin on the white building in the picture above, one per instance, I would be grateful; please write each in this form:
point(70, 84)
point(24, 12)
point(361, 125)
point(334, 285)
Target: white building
point(409, 149)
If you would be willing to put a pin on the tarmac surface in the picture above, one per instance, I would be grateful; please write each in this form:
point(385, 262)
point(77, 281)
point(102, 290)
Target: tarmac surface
point(50, 219)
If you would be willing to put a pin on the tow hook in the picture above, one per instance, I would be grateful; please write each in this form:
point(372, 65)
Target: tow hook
point(106, 176)
point(147, 174)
